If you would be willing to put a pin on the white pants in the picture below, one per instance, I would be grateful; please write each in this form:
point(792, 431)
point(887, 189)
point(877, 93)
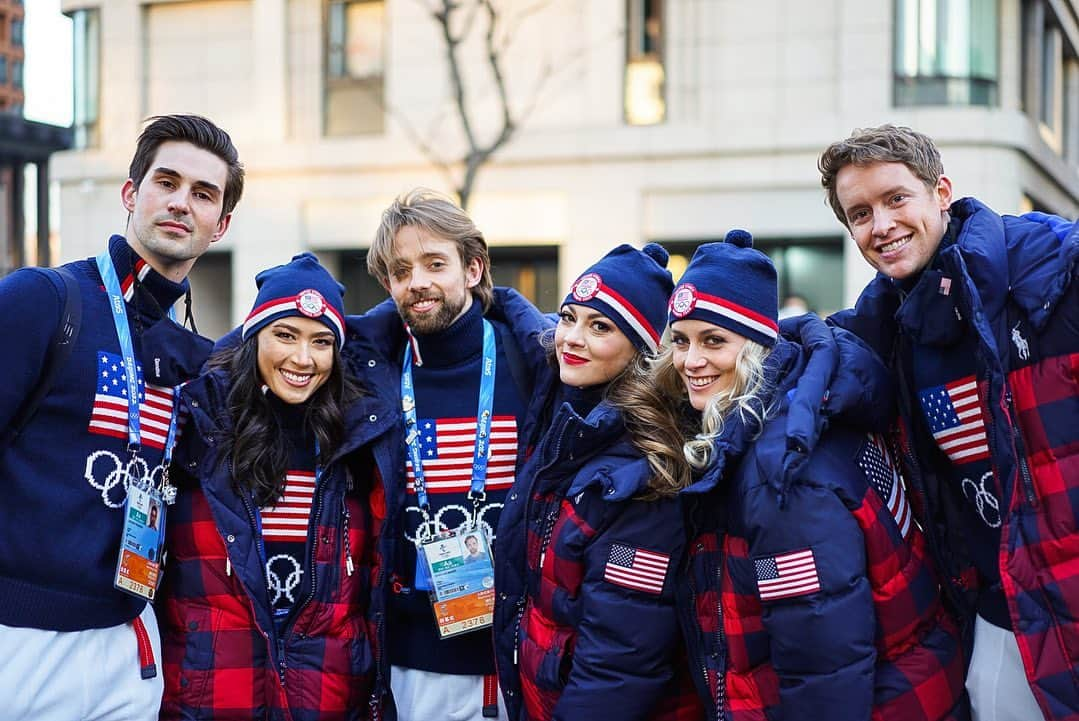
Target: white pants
point(91, 675)
point(996, 682)
point(424, 696)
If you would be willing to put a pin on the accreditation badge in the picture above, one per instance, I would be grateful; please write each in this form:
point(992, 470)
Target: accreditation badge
point(462, 579)
point(138, 570)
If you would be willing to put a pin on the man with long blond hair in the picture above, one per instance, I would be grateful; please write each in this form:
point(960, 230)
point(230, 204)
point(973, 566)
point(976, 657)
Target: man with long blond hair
point(452, 339)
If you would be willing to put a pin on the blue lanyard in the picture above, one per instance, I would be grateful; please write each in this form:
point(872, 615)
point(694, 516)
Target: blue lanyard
point(485, 407)
point(123, 332)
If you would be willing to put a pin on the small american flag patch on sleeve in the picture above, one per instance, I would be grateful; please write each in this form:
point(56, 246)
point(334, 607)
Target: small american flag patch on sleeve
point(636, 568)
point(786, 575)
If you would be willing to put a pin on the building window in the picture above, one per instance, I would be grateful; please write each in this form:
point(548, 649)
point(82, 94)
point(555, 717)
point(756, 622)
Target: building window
point(645, 81)
point(946, 52)
point(355, 66)
point(16, 74)
point(1050, 78)
point(3, 69)
point(86, 28)
point(16, 32)
point(533, 271)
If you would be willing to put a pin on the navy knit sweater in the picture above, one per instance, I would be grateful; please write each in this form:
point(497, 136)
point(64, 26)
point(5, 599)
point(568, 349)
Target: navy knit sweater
point(447, 389)
point(64, 478)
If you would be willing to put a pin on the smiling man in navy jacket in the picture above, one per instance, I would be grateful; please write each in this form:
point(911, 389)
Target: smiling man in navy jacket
point(433, 261)
point(978, 316)
point(75, 647)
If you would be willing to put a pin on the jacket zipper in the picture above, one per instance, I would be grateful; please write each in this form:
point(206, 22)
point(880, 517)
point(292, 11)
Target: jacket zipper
point(375, 703)
point(721, 672)
point(1020, 451)
point(693, 618)
point(548, 529)
point(271, 640)
point(297, 612)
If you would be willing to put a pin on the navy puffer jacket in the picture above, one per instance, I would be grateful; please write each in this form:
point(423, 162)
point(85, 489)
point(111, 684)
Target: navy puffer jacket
point(807, 593)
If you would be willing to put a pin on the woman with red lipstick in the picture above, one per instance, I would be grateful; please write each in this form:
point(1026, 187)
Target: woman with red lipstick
point(806, 592)
point(262, 607)
point(585, 621)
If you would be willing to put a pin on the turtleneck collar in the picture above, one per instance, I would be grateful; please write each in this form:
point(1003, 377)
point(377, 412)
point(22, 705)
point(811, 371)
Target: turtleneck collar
point(461, 342)
point(583, 400)
point(289, 415)
point(130, 266)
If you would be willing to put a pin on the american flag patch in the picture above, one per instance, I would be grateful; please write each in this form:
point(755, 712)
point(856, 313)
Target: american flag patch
point(447, 446)
point(109, 414)
point(636, 568)
point(288, 519)
point(877, 464)
point(786, 575)
point(955, 420)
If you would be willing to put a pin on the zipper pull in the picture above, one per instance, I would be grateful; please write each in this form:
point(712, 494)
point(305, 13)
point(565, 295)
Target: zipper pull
point(348, 565)
point(228, 566)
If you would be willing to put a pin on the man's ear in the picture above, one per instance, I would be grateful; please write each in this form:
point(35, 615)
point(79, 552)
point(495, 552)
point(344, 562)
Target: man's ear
point(127, 195)
point(944, 192)
point(473, 273)
point(222, 226)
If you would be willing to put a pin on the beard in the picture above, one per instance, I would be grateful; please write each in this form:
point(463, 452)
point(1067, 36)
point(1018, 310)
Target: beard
point(440, 320)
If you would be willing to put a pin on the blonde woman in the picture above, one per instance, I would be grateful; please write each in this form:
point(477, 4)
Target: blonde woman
point(807, 592)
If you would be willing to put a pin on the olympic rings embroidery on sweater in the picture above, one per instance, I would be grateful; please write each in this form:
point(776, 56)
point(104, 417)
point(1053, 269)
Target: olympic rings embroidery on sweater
point(114, 483)
point(439, 523)
point(983, 500)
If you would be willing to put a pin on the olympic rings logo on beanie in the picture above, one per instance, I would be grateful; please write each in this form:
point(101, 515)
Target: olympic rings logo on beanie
point(587, 286)
point(683, 300)
point(311, 303)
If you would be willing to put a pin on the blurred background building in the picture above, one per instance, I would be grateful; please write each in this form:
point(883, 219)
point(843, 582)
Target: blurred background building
point(24, 146)
point(636, 120)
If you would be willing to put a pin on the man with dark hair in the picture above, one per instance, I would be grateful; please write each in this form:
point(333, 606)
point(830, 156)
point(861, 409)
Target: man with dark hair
point(74, 459)
point(978, 316)
point(443, 329)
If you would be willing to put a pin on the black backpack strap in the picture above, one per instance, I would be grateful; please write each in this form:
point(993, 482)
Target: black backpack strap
point(60, 346)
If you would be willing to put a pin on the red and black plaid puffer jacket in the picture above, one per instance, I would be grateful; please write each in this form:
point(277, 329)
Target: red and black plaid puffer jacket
point(597, 633)
point(1013, 284)
point(807, 591)
point(223, 657)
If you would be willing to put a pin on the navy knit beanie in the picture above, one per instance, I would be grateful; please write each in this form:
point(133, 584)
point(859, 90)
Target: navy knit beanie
point(630, 287)
point(731, 285)
point(301, 287)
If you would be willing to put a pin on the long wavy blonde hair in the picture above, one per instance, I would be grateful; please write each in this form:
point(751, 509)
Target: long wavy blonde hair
point(651, 419)
point(744, 396)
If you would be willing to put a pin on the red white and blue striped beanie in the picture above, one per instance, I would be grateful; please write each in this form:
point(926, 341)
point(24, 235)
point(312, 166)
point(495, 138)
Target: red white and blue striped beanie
point(630, 287)
point(731, 285)
point(301, 287)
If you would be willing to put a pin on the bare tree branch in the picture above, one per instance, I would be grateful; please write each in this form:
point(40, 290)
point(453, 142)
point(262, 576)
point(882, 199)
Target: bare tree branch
point(444, 17)
point(494, 59)
point(458, 21)
point(513, 24)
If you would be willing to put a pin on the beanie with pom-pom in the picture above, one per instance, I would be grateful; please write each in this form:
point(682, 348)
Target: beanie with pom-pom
point(732, 285)
point(630, 287)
